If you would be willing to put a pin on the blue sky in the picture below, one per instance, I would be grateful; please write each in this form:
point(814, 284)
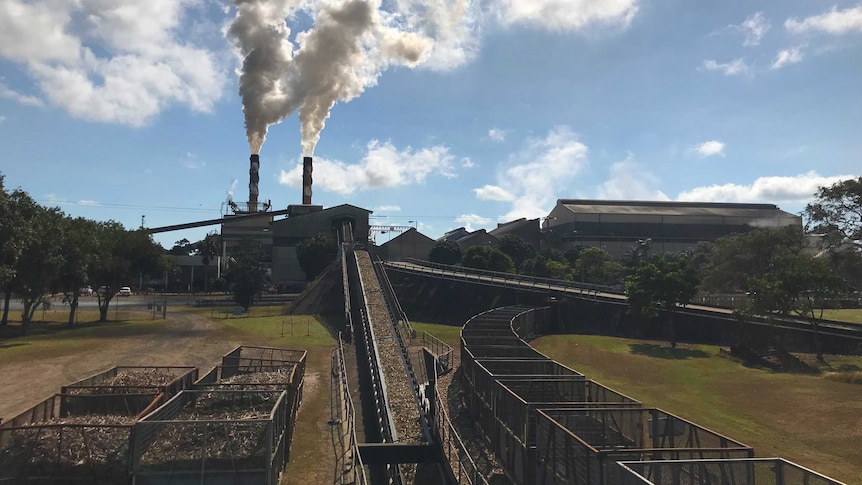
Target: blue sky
point(447, 112)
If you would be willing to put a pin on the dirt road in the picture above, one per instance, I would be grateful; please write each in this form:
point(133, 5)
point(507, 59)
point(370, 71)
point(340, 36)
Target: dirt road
point(184, 340)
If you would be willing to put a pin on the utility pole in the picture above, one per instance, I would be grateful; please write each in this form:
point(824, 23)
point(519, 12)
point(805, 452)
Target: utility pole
point(143, 216)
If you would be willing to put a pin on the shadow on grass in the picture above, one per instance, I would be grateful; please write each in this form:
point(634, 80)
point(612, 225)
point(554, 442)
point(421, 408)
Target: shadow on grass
point(662, 352)
point(12, 344)
point(111, 328)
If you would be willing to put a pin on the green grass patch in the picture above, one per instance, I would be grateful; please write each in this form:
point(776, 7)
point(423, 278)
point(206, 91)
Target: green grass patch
point(448, 333)
point(59, 339)
point(849, 315)
point(294, 331)
point(805, 418)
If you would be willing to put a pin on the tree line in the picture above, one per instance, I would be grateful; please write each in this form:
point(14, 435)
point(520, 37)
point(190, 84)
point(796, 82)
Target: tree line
point(44, 251)
point(791, 271)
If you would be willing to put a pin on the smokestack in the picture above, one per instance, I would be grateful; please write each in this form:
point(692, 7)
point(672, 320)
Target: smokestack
point(306, 180)
point(253, 179)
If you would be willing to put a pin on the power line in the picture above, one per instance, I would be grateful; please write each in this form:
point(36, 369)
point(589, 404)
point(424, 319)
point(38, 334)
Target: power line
point(52, 202)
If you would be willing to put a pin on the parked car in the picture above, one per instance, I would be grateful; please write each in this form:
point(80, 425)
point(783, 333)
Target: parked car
point(125, 291)
point(103, 290)
point(86, 291)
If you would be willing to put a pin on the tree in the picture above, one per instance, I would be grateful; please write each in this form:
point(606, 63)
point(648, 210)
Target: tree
point(122, 256)
point(40, 260)
point(737, 261)
point(245, 273)
point(837, 213)
point(315, 254)
point(485, 257)
point(661, 283)
point(543, 267)
point(208, 250)
point(517, 249)
point(183, 247)
point(16, 232)
point(445, 252)
point(595, 265)
point(78, 250)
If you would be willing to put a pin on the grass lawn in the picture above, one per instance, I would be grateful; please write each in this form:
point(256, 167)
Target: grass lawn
point(850, 315)
point(448, 333)
point(808, 419)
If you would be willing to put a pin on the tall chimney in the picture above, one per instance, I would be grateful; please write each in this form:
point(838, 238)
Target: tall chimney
point(253, 179)
point(306, 180)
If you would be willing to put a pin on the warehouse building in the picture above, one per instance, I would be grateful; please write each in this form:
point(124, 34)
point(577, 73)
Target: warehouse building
point(628, 228)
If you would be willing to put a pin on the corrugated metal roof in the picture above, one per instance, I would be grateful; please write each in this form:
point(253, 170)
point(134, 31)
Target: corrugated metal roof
point(661, 208)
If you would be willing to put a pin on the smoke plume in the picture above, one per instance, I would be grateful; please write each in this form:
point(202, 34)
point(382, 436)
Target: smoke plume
point(345, 51)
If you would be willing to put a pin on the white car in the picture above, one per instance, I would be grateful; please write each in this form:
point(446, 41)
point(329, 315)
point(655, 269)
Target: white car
point(125, 291)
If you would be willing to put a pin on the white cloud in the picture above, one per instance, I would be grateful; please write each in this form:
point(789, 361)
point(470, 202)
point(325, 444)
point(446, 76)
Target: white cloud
point(470, 221)
point(91, 203)
point(787, 56)
point(493, 192)
point(532, 177)
point(2, 118)
point(754, 27)
point(6, 92)
point(191, 161)
point(732, 68)
point(387, 208)
point(497, 134)
point(120, 61)
point(764, 189)
point(383, 166)
point(835, 22)
point(710, 148)
point(566, 14)
point(627, 180)
point(467, 163)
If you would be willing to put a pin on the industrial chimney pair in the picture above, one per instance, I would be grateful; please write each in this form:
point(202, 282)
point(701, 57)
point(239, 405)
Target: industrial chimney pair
point(254, 179)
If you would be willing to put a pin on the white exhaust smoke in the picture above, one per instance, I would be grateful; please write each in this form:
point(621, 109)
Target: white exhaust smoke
point(345, 51)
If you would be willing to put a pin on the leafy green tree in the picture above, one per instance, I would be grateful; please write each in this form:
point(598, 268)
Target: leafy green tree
point(40, 260)
point(183, 247)
point(16, 234)
point(811, 283)
point(836, 213)
point(661, 283)
point(595, 265)
point(208, 250)
point(544, 267)
point(573, 252)
point(738, 261)
point(315, 254)
point(122, 256)
point(516, 248)
point(78, 250)
point(445, 252)
point(484, 257)
point(245, 273)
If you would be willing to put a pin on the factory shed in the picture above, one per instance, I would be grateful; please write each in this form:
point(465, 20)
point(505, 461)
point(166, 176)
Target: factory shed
point(409, 244)
point(526, 229)
point(621, 226)
point(477, 238)
point(306, 221)
point(454, 234)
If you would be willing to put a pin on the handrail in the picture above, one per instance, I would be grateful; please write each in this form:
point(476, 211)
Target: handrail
point(357, 467)
point(448, 437)
point(515, 276)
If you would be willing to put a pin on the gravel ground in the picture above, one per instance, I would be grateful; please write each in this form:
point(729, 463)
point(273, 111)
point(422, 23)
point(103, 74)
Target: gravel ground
point(451, 392)
point(399, 392)
point(405, 412)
